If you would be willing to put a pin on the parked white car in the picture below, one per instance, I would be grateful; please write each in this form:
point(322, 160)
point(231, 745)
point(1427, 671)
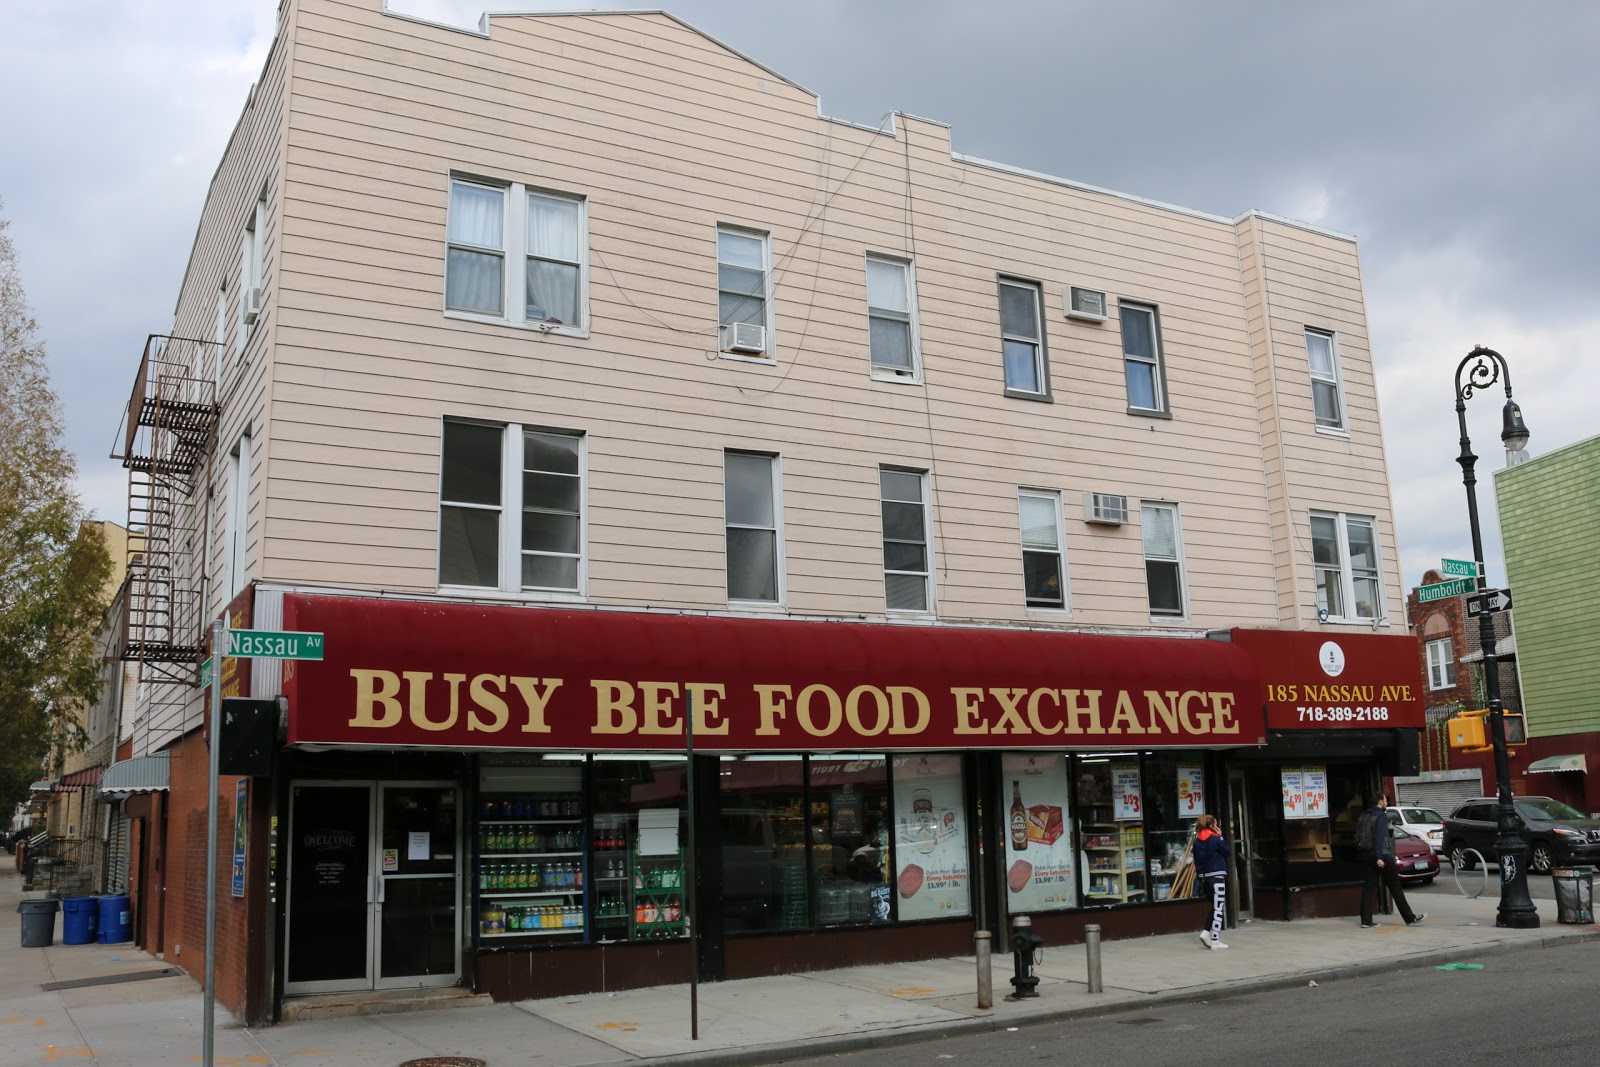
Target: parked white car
point(1423, 822)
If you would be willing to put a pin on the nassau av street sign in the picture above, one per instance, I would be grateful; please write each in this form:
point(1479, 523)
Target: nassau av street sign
point(1427, 594)
point(1458, 568)
point(275, 644)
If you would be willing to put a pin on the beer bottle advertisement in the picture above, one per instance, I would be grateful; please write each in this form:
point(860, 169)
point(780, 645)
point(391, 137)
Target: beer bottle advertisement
point(1040, 873)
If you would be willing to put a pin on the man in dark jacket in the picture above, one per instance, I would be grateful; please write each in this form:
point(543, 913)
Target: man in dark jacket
point(1375, 843)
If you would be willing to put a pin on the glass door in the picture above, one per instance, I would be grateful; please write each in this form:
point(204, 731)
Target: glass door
point(329, 943)
point(418, 921)
point(1244, 852)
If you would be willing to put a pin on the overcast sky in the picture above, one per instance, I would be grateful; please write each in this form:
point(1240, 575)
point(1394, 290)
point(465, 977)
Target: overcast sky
point(1459, 142)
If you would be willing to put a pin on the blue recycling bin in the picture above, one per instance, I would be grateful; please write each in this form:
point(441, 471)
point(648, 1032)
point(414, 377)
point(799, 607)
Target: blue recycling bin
point(114, 924)
point(78, 916)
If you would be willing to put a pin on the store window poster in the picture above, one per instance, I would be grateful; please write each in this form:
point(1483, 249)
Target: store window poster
point(1039, 855)
point(1315, 780)
point(1127, 796)
point(1191, 792)
point(933, 879)
point(1294, 793)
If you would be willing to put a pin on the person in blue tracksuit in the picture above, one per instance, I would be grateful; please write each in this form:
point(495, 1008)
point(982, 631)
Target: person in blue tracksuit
point(1211, 854)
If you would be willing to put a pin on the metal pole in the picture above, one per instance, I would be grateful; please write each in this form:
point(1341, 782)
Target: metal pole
point(1091, 942)
point(1517, 910)
point(689, 889)
point(984, 941)
point(209, 1002)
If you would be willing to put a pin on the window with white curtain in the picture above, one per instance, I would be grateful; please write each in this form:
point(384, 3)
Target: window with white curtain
point(1044, 565)
point(1441, 664)
point(1327, 393)
point(511, 508)
point(907, 556)
point(1344, 554)
point(891, 319)
point(517, 255)
point(1141, 356)
point(1022, 340)
point(1163, 559)
point(751, 509)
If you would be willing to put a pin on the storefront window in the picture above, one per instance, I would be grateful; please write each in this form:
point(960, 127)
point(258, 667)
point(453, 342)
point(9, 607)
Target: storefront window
point(763, 828)
point(850, 839)
point(932, 877)
point(1175, 796)
point(530, 849)
point(1111, 829)
point(1040, 868)
point(638, 835)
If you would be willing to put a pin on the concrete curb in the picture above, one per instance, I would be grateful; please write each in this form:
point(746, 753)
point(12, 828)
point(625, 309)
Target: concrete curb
point(751, 1055)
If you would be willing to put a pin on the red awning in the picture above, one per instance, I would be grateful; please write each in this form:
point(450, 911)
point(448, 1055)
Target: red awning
point(486, 676)
point(71, 783)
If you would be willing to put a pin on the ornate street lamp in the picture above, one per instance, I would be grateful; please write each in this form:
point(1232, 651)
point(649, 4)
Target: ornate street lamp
point(1516, 907)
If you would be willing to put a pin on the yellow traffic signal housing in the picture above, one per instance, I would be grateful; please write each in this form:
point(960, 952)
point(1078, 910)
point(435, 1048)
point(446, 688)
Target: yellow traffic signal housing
point(1469, 731)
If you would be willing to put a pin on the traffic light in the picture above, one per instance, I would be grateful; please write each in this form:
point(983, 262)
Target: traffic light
point(1469, 731)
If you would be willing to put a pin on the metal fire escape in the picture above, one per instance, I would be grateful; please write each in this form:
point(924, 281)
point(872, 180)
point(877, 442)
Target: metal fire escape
point(167, 447)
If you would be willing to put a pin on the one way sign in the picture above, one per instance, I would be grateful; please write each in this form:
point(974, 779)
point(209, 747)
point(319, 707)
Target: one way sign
point(1492, 601)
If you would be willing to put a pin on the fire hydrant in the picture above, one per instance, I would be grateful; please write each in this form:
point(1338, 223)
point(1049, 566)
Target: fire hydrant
point(1024, 943)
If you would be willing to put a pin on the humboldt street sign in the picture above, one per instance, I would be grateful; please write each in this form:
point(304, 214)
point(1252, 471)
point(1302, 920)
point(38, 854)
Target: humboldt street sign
point(1427, 594)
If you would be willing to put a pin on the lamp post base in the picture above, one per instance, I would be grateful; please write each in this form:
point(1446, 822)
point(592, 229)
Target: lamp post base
point(1517, 910)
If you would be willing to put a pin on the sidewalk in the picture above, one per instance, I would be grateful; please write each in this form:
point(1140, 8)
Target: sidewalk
point(157, 1021)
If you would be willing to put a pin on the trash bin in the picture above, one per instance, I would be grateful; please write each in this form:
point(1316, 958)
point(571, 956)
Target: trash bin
point(78, 920)
point(1574, 894)
point(38, 922)
point(113, 924)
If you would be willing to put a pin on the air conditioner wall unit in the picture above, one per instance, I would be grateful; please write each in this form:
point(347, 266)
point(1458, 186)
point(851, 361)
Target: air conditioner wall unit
point(1088, 305)
point(252, 306)
point(742, 337)
point(1105, 509)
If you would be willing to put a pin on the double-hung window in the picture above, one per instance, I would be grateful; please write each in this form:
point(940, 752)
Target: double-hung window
point(511, 508)
point(907, 559)
point(744, 321)
point(1344, 552)
point(251, 254)
point(236, 529)
point(1141, 357)
point(1044, 566)
point(891, 327)
point(1163, 559)
point(751, 509)
point(1327, 396)
point(1441, 664)
point(1022, 340)
point(517, 255)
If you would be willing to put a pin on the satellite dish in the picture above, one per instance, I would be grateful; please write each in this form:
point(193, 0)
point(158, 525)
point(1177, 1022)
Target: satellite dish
point(1322, 614)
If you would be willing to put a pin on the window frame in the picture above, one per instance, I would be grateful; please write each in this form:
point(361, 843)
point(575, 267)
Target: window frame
point(885, 372)
point(236, 520)
point(514, 255)
point(1163, 406)
point(929, 587)
point(251, 269)
point(1041, 357)
point(779, 583)
point(1346, 568)
point(510, 510)
point(1053, 497)
point(1183, 612)
point(1335, 379)
point(768, 355)
point(1444, 665)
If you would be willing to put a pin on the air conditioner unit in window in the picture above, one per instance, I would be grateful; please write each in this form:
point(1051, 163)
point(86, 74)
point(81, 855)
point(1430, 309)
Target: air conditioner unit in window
point(1106, 509)
point(252, 306)
point(742, 337)
point(1086, 304)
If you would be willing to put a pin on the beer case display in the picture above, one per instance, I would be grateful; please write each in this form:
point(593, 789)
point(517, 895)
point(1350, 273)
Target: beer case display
point(530, 865)
point(612, 876)
point(658, 895)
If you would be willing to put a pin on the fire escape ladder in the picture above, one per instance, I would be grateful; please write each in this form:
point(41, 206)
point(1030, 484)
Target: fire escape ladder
point(167, 448)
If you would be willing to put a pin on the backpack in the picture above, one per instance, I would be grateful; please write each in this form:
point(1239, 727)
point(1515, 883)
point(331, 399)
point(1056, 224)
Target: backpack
point(1366, 832)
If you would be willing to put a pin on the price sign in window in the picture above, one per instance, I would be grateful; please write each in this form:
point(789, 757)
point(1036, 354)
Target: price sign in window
point(1127, 796)
point(1294, 793)
point(1191, 792)
point(1315, 783)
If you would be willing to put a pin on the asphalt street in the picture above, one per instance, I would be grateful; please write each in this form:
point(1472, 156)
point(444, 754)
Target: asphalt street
point(1527, 1008)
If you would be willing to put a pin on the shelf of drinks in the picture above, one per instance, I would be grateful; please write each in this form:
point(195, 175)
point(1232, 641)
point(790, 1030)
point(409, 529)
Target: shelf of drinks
point(528, 855)
point(557, 932)
point(528, 822)
point(517, 894)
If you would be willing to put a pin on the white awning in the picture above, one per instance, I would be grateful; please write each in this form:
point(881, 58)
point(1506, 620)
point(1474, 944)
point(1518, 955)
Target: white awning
point(1559, 763)
point(144, 774)
point(42, 785)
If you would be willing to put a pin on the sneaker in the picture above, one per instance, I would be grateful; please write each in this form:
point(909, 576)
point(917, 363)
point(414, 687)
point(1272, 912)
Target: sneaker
point(1205, 939)
point(1369, 926)
point(1217, 945)
point(1415, 919)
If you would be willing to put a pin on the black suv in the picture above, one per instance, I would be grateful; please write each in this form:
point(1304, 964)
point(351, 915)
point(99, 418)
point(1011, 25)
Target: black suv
point(1556, 834)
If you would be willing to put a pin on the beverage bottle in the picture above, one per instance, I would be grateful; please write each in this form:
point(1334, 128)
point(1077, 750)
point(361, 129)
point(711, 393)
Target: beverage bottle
point(577, 876)
point(483, 876)
point(1019, 819)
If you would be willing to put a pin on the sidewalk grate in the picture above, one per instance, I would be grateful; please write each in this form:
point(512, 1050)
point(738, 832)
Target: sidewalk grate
point(112, 979)
point(446, 1061)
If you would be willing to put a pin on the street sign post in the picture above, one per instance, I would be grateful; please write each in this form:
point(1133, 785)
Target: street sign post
point(274, 644)
point(1458, 568)
point(1427, 594)
point(1488, 603)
